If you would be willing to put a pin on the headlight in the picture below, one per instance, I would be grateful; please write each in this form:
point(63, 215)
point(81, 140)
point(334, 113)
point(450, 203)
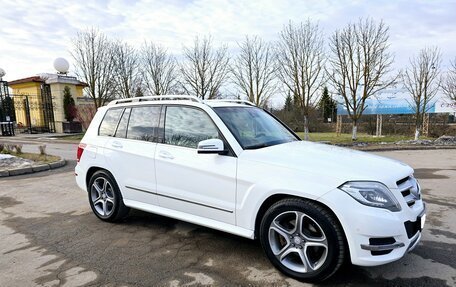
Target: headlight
point(371, 193)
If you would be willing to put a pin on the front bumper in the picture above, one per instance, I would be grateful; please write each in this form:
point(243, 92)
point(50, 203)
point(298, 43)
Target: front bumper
point(377, 236)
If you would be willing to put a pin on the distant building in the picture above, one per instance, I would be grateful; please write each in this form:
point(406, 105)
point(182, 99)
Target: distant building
point(38, 101)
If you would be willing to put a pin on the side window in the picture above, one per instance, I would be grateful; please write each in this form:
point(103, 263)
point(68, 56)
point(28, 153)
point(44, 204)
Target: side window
point(122, 127)
point(186, 127)
point(109, 123)
point(143, 123)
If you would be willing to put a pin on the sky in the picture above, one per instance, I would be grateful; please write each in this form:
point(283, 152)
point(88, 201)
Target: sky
point(34, 33)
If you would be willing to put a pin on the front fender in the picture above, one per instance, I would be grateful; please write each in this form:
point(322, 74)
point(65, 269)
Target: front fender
point(256, 184)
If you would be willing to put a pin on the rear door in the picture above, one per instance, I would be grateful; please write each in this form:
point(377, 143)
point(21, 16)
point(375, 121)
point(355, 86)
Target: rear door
point(131, 152)
point(198, 184)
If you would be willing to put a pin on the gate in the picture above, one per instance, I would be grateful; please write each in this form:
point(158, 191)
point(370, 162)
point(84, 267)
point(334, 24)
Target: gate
point(7, 116)
point(35, 113)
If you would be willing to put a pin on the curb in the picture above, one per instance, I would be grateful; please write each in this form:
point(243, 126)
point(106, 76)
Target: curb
point(33, 168)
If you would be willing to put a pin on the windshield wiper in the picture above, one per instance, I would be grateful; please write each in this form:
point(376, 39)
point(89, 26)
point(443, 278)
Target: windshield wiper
point(257, 146)
point(271, 143)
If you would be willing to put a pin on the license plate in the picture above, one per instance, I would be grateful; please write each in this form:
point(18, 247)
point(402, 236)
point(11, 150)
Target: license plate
point(423, 219)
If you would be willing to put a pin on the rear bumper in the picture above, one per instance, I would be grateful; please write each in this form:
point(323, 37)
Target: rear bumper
point(80, 176)
point(376, 236)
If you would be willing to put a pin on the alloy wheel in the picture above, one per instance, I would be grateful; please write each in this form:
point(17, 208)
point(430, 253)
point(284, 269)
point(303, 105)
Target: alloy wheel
point(298, 241)
point(102, 196)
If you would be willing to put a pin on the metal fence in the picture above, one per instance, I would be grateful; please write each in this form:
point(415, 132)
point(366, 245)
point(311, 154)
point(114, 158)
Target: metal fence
point(7, 115)
point(34, 113)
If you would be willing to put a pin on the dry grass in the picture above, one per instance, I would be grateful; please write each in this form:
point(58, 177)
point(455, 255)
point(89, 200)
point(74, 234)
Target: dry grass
point(362, 137)
point(38, 158)
point(77, 137)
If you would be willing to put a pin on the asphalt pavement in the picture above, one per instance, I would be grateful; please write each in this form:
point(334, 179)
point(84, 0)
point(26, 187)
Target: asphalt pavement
point(54, 146)
point(49, 237)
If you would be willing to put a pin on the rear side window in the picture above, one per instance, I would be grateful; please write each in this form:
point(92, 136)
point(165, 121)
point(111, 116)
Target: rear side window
point(123, 124)
point(143, 123)
point(186, 127)
point(109, 123)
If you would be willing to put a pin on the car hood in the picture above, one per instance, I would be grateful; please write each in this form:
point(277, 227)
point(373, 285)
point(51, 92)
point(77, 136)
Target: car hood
point(331, 163)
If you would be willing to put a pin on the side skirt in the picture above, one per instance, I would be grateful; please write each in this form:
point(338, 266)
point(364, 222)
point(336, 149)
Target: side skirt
point(229, 228)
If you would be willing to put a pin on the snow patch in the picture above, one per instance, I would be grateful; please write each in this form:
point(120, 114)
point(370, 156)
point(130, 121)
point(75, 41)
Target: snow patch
point(11, 162)
point(5, 156)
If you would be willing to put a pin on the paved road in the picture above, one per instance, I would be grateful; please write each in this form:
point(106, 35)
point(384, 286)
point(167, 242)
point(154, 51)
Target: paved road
point(61, 148)
point(49, 237)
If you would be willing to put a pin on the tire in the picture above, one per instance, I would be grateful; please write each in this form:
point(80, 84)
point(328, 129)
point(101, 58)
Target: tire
point(313, 254)
point(105, 198)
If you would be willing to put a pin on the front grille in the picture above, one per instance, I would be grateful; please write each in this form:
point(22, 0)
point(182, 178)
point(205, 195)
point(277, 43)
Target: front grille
point(409, 189)
point(406, 193)
point(401, 181)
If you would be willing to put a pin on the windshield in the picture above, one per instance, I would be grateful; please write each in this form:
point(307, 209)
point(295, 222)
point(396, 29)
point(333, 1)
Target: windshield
point(254, 128)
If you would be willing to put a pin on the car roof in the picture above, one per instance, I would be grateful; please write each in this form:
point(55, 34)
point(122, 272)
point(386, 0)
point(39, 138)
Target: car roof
point(179, 99)
point(221, 103)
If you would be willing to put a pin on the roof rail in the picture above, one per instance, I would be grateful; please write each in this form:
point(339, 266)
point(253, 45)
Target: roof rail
point(154, 98)
point(245, 102)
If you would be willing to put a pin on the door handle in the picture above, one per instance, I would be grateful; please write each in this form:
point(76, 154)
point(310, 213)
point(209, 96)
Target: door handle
point(165, 154)
point(116, 144)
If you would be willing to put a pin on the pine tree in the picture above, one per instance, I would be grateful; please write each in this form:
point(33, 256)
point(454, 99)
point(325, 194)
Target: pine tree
point(139, 92)
point(327, 106)
point(288, 103)
point(69, 106)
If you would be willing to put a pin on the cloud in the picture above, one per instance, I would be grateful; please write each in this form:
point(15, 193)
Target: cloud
point(33, 35)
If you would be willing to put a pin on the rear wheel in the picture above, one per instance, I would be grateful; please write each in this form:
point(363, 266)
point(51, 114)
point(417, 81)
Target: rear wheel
point(302, 239)
point(105, 198)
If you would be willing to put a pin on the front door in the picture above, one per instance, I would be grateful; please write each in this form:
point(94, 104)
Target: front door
point(198, 184)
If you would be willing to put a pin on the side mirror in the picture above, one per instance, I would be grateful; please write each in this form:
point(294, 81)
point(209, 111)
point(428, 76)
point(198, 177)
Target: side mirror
point(211, 146)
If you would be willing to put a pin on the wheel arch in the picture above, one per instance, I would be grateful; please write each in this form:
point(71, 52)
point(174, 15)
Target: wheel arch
point(268, 202)
point(91, 172)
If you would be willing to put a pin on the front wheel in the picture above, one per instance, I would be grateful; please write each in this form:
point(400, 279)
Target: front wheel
point(105, 198)
point(302, 239)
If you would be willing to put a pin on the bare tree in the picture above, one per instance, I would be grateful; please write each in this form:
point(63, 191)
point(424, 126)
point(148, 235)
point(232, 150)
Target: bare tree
point(205, 68)
point(159, 70)
point(360, 65)
point(126, 70)
point(449, 82)
point(300, 59)
point(254, 70)
point(94, 63)
point(422, 81)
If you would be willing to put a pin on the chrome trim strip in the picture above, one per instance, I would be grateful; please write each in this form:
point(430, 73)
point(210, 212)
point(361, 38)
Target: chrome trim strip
point(138, 189)
point(180, 199)
point(414, 241)
point(410, 199)
point(382, 247)
point(401, 189)
point(424, 210)
point(197, 203)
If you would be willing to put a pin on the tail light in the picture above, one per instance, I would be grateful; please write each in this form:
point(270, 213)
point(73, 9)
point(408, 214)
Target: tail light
point(81, 148)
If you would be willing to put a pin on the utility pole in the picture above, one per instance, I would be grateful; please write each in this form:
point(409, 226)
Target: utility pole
point(378, 132)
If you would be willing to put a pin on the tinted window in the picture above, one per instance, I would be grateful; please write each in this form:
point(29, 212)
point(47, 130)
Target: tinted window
point(186, 127)
point(122, 127)
point(253, 127)
point(143, 123)
point(109, 123)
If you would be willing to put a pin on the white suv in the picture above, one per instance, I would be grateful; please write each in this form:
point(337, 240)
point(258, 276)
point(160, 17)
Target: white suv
point(234, 167)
